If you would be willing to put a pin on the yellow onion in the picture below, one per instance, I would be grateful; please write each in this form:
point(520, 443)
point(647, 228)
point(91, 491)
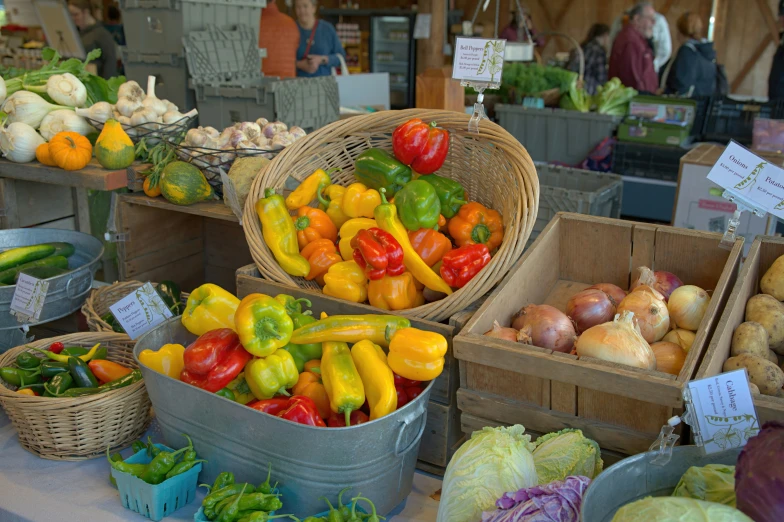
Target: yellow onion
point(669, 357)
point(650, 312)
point(544, 326)
point(499, 332)
point(687, 305)
point(682, 338)
point(619, 342)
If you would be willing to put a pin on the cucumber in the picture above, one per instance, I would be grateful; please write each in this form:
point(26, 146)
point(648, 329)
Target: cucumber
point(63, 249)
point(17, 256)
point(42, 272)
point(8, 276)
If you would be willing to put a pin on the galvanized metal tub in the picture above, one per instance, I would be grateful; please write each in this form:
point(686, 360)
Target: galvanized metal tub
point(66, 292)
point(635, 478)
point(377, 459)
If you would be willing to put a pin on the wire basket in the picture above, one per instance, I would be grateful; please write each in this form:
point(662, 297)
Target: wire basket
point(212, 161)
point(98, 302)
point(172, 132)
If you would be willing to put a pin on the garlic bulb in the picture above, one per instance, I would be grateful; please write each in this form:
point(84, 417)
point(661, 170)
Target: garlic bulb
point(3, 90)
point(145, 116)
point(130, 90)
point(151, 101)
point(619, 342)
point(261, 142)
point(127, 106)
point(196, 137)
point(28, 107)
point(297, 132)
point(18, 142)
point(66, 89)
point(61, 121)
point(170, 117)
point(283, 139)
point(170, 106)
point(212, 132)
point(271, 129)
point(246, 144)
point(261, 122)
point(99, 112)
point(250, 129)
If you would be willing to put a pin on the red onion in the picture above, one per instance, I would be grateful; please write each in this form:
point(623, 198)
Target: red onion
point(499, 332)
point(545, 327)
point(664, 282)
point(589, 308)
point(616, 293)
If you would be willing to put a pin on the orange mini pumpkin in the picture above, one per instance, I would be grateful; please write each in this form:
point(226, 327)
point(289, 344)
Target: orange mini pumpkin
point(149, 190)
point(70, 150)
point(43, 155)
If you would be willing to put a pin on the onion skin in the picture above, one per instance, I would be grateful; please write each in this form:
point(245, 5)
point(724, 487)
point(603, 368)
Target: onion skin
point(619, 342)
point(661, 281)
point(669, 357)
point(682, 338)
point(687, 307)
point(589, 308)
point(499, 332)
point(615, 292)
point(546, 327)
point(650, 313)
point(645, 288)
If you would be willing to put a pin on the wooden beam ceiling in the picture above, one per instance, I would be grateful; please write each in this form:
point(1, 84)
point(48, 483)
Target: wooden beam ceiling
point(770, 20)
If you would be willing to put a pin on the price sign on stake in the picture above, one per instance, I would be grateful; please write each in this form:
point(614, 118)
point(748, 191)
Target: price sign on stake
point(140, 311)
point(478, 60)
point(29, 297)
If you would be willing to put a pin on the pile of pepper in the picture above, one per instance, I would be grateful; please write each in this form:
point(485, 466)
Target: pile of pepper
point(230, 501)
point(169, 292)
point(72, 371)
point(394, 254)
point(345, 513)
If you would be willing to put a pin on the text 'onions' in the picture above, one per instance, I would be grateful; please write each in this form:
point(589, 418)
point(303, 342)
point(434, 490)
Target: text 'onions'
point(682, 338)
point(589, 308)
point(650, 312)
point(546, 327)
point(661, 281)
point(499, 332)
point(619, 342)
point(669, 357)
point(615, 292)
point(687, 306)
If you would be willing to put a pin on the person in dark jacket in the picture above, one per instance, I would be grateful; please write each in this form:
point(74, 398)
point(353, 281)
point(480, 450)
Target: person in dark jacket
point(94, 36)
point(693, 72)
point(776, 78)
point(595, 55)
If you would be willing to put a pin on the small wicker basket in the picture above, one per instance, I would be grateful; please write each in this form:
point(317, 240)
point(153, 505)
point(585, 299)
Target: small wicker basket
point(98, 302)
point(492, 165)
point(83, 427)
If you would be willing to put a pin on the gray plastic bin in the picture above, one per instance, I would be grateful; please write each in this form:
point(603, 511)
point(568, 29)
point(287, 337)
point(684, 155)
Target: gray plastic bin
point(556, 134)
point(171, 76)
point(376, 459)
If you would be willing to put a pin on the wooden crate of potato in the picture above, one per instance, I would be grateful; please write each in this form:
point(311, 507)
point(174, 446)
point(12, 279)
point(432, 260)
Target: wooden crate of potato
point(752, 324)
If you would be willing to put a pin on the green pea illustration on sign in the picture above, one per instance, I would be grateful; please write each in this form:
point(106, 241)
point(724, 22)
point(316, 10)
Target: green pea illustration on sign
point(751, 179)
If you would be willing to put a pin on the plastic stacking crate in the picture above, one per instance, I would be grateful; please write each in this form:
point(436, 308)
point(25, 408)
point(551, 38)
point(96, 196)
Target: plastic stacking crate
point(171, 76)
point(647, 161)
point(580, 191)
point(225, 69)
point(730, 119)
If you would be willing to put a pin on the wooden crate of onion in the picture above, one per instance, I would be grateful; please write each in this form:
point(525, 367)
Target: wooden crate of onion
point(598, 327)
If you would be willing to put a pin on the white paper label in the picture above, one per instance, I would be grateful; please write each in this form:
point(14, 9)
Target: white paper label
point(422, 26)
point(724, 410)
point(29, 298)
point(140, 311)
point(744, 173)
point(478, 60)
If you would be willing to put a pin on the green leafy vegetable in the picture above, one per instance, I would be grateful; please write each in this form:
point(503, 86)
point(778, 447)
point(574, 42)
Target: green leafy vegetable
point(714, 483)
point(675, 509)
point(576, 99)
point(613, 98)
point(564, 453)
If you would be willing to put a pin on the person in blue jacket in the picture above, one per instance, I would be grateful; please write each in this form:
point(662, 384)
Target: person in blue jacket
point(319, 45)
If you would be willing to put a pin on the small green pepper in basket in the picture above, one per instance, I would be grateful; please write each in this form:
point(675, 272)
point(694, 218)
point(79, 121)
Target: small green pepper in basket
point(27, 361)
point(137, 470)
point(216, 496)
point(229, 513)
point(263, 516)
point(160, 465)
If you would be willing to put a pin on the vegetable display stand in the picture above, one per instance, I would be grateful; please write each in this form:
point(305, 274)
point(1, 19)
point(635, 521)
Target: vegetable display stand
point(376, 458)
point(189, 244)
point(556, 134)
point(764, 251)
point(620, 407)
point(442, 431)
point(81, 427)
point(493, 167)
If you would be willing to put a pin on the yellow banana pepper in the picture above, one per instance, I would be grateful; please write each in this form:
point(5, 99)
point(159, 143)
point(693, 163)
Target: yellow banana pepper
point(168, 360)
point(417, 354)
point(280, 234)
point(395, 292)
point(332, 202)
point(377, 378)
point(346, 280)
point(341, 379)
point(347, 232)
point(209, 307)
point(360, 201)
point(306, 192)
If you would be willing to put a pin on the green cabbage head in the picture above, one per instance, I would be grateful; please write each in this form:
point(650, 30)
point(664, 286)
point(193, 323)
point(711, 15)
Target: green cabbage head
point(494, 461)
point(714, 483)
point(566, 453)
point(677, 509)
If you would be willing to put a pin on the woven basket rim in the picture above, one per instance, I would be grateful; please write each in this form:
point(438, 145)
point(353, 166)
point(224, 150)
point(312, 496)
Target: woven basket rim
point(89, 309)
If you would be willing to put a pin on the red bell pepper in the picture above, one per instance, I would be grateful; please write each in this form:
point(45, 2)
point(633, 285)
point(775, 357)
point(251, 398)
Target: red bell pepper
point(413, 392)
point(422, 146)
point(338, 420)
point(214, 360)
point(378, 253)
point(460, 265)
point(299, 409)
point(272, 406)
point(402, 382)
point(402, 397)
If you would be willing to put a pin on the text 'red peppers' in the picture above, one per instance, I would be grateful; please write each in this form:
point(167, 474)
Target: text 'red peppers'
point(299, 409)
point(378, 253)
point(422, 146)
point(462, 264)
point(213, 360)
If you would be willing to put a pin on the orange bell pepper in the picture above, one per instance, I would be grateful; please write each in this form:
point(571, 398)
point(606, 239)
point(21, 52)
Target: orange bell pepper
point(395, 292)
point(475, 224)
point(313, 366)
point(430, 245)
point(309, 385)
point(321, 254)
point(312, 224)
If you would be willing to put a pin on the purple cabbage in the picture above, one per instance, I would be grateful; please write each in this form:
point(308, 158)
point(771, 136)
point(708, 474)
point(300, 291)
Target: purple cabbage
point(759, 475)
point(557, 501)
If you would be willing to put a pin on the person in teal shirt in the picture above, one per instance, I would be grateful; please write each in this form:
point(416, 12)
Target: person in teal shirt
point(319, 45)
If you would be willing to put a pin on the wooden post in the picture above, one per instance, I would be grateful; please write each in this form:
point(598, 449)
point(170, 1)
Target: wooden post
point(434, 46)
point(435, 89)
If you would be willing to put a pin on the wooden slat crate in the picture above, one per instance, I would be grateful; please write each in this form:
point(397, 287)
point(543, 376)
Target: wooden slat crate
point(763, 252)
point(621, 407)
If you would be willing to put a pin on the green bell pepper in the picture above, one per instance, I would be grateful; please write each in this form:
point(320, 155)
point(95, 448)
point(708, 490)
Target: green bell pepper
point(226, 393)
point(292, 304)
point(379, 169)
point(303, 353)
point(172, 296)
point(109, 319)
point(418, 206)
point(451, 193)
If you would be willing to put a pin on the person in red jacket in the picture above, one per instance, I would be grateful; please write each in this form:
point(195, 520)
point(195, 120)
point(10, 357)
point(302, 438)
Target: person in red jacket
point(279, 35)
point(631, 59)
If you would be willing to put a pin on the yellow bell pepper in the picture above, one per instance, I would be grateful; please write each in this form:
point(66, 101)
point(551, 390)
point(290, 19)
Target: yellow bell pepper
point(377, 378)
point(346, 280)
point(306, 192)
point(168, 360)
point(341, 379)
point(360, 201)
point(417, 354)
point(209, 307)
point(332, 202)
point(395, 292)
point(347, 232)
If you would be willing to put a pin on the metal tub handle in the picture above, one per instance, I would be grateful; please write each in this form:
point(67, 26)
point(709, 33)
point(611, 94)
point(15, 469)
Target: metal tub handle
point(89, 281)
point(405, 421)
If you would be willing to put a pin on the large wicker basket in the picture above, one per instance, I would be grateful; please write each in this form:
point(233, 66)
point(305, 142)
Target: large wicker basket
point(495, 169)
point(78, 428)
point(98, 302)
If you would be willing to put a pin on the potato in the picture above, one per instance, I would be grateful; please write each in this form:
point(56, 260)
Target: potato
point(754, 388)
point(750, 337)
point(768, 312)
point(772, 357)
point(772, 283)
point(766, 375)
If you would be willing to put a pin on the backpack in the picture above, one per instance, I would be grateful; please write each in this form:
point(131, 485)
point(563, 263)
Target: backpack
point(722, 85)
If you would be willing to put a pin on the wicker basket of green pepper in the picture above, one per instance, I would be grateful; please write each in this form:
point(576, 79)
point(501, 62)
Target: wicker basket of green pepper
point(50, 391)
